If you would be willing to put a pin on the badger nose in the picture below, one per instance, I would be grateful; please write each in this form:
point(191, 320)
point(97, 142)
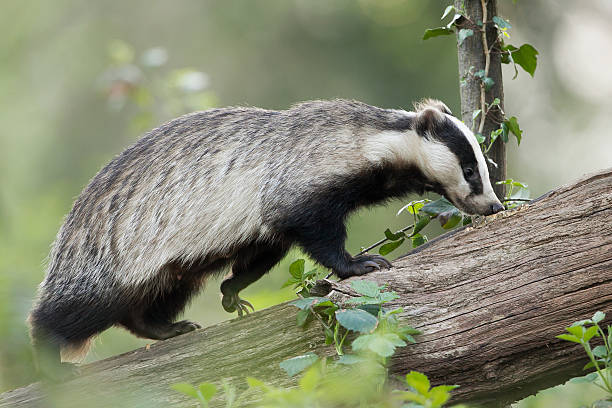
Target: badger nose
point(495, 208)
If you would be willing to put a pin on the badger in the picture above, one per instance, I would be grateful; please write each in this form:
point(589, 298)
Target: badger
point(238, 187)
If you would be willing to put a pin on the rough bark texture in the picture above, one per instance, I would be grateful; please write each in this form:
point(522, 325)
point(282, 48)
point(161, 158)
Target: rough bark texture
point(489, 300)
point(471, 60)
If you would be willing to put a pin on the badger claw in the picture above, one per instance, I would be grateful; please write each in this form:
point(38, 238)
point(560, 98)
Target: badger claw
point(363, 264)
point(232, 302)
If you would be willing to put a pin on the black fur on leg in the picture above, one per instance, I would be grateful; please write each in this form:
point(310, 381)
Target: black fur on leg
point(155, 315)
point(251, 263)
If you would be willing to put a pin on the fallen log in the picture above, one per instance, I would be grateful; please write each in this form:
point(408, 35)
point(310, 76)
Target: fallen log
point(489, 300)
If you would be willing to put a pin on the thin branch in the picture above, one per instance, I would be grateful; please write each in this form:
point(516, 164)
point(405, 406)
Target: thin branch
point(485, 49)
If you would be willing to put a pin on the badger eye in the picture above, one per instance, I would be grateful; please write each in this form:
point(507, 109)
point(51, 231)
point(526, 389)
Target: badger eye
point(468, 172)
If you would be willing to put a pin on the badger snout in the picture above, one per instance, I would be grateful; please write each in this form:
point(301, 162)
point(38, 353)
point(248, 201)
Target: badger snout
point(494, 208)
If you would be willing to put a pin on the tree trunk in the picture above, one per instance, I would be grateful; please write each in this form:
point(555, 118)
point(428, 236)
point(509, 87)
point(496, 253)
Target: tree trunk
point(489, 300)
point(471, 60)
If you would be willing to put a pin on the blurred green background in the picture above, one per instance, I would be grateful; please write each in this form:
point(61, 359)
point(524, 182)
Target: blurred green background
point(80, 81)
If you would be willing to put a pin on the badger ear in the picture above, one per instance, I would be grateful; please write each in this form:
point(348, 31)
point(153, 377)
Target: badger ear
point(427, 120)
point(429, 113)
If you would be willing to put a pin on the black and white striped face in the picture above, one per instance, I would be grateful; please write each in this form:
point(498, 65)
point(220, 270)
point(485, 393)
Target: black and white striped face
point(454, 162)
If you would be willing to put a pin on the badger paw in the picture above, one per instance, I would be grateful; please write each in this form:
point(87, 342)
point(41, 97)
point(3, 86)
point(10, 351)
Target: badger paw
point(232, 302)
point(363, 264)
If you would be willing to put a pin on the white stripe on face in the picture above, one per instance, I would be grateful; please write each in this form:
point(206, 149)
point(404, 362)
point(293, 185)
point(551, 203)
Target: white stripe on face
point(480, 204)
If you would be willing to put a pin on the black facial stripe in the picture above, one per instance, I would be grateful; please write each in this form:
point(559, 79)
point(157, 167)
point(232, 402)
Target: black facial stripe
point(449, 134)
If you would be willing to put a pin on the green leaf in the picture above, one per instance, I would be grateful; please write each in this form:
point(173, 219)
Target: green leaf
point(590, 333)
point(418, 240)
point(298, 364)
point(302, 316)
point(422, 223)
point(453, 220)
point(310, 379)
point(390, 246)
point(187, 389)
point(350, 359)
point(501, 23)
point(357, 320)
point(394, 236)
point(254, 382)
point(290, 281)
point(577, 331)
point(366, 287)
point(418, 381)
point(476, 113)
point(598, 317)
point(305, 303)
point(600, 351)
point(382, 344)
point(527, 57)
point(440, 395)
point(463, 34)
point(480, 73)
point(495, 102)
point(488, 83)
point(514, 127)
point(480, 138)
point(371, 308)
point(208, 391)
point(589, 378)
point(569, 337)
point(437, 207)
point(387, 297)
point(296, 269)
point(436, 32)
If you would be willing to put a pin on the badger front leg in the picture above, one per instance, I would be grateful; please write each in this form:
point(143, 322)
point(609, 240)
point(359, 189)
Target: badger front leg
point(325, 244)
point(251, 264)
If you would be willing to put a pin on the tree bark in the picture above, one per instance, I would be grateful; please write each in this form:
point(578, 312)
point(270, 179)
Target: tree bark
point(489, 300)
point(471, 60)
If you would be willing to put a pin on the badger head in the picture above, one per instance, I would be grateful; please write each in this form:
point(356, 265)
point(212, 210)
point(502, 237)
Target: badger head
point(451, 160)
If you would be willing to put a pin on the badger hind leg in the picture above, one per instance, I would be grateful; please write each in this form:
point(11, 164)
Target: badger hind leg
point(250, 264)
point(155, 317)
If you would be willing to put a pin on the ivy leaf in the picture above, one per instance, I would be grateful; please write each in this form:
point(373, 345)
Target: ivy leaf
point(600, 351)
point(350, 359)
point(356, 320)
point(598, 317)
point(480, 138)
point(382, 344)
point(366, 287)
point(394, 237)
point(436, 32)
point(476, 113)
point(463, 34)
point(513, 126)
point(488, 83)
point(422, 223)
point(450, 219)
point(418, 240)
point(437, 207)
point(305, 303)
point(501, 23)
point(302, 317)
point(527, 57)
point(298, 364)
point(390, 247)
